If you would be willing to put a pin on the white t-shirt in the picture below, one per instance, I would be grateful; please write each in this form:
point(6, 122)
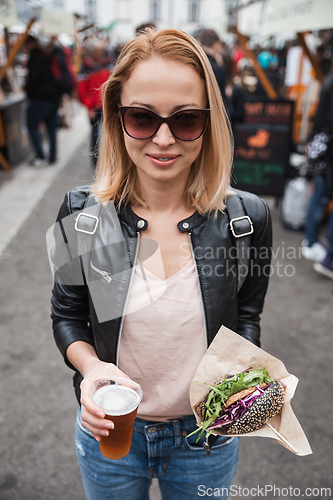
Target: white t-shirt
point(163, 340)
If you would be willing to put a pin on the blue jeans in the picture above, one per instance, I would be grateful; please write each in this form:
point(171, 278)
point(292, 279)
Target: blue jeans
point(43, 111)
point(159, 450)
point(317, 205)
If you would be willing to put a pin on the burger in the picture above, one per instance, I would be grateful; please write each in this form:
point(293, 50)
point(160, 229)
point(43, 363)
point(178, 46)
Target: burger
point(241, 403)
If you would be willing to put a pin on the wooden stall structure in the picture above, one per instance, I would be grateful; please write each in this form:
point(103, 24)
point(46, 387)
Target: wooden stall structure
point(84, 30)
point(13, 138)
point(299, 17)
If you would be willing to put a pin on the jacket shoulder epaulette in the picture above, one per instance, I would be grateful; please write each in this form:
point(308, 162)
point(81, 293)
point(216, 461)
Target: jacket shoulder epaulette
point(77, 198)
point(257, 209)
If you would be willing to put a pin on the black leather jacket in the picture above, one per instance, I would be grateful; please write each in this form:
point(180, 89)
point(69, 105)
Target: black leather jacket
point(213, 246)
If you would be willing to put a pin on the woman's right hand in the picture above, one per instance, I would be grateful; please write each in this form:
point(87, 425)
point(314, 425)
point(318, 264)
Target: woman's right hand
point(92, 416)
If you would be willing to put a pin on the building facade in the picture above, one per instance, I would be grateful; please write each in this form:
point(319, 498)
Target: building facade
point(126, 15)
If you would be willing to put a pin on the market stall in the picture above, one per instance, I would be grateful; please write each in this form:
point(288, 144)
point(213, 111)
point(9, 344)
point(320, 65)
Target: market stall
point(14, 141)
point(14, 144)
point(264, 140)
point(300, 17)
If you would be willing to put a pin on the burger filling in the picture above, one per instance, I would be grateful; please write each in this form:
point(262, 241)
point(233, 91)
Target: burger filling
point(237, 410)
point(225, 402)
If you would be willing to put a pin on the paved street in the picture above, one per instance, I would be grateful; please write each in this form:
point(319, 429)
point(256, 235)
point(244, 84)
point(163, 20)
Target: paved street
point(38, 407)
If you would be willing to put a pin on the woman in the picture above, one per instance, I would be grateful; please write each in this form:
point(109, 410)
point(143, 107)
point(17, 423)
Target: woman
point(165, 163)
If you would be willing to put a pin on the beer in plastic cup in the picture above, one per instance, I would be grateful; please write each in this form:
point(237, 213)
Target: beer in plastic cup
point(119, 398)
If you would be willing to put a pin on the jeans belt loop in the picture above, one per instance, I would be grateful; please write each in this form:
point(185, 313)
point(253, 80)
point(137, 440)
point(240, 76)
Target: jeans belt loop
point(177, 432)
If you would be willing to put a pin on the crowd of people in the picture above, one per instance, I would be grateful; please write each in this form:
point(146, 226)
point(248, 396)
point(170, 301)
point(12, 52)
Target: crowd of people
point(51, 76)
point(230, 66)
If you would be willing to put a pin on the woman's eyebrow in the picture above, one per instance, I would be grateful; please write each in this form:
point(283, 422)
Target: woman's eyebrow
point(153, 108)
point(141, 104)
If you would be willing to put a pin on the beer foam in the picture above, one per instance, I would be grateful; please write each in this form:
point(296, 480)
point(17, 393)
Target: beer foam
point(116, 399)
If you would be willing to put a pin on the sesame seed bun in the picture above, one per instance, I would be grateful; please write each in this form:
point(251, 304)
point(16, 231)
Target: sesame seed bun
point(263, 409)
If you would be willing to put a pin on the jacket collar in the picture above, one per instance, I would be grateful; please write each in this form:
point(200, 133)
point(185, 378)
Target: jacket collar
point(139, 224)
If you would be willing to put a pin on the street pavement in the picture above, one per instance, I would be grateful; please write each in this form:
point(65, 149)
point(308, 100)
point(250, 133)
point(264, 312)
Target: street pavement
point(38, 407)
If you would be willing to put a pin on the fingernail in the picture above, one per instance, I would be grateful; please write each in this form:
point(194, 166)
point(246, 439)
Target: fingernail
point(106, 433)
point(110, 425)
point(100, 414)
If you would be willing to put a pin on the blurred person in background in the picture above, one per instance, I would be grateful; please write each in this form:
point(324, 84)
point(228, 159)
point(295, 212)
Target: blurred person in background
point(237, 53)
point(270, 64)
point(312, 249)
point(235, 93)
point(324, 58)
point(94, 72)
point(44, 99)
point(211, 44)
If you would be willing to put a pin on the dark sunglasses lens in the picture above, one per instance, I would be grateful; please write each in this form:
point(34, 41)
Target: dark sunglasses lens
point(140, 123)
point(188, 125)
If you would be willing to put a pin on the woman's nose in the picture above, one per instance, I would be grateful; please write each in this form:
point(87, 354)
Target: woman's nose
point(163, 136)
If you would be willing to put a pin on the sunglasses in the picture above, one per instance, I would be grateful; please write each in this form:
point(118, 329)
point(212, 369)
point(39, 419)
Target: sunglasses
point(143, 123)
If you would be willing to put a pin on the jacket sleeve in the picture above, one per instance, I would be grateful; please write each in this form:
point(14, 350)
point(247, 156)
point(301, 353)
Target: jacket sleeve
point(37, 84)
point(69, 303)
point(252, 294)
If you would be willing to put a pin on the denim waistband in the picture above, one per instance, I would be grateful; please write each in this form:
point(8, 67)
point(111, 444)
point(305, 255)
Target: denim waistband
point(169, 427)
point(176, 428)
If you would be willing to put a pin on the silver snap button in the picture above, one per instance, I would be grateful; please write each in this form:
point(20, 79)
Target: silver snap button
point(151, 430)
point(141, 224)
point(186, 225)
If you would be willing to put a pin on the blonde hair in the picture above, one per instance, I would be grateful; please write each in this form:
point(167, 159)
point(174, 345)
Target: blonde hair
point(209, 179)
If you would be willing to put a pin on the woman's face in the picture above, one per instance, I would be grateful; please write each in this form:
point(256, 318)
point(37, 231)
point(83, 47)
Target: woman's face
point(165, 87)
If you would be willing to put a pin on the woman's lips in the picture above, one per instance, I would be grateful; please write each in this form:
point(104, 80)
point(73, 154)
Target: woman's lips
point(163, 160)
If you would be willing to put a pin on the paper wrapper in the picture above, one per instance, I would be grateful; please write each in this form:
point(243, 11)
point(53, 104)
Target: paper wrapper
point(229, 353)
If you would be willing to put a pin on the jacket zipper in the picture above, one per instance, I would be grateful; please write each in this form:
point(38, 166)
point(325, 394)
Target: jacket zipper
point(199, 285)
point(127, 298)
point(105, 275)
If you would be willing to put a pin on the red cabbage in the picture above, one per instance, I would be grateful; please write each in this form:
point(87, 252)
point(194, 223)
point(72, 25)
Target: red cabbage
point(237, 410)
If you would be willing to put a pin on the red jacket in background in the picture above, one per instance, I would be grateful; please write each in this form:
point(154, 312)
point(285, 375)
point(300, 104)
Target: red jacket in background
point(89, 81)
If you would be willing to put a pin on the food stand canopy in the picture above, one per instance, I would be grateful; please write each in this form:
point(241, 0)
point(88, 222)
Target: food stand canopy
point(296, 15)
point(56, 22)
point(8, 14)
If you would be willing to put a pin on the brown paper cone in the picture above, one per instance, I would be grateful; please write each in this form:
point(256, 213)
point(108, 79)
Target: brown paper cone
point(229, 353)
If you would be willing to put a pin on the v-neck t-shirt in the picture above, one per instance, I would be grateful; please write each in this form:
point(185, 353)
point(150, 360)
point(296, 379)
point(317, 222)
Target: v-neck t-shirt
point(163, 340)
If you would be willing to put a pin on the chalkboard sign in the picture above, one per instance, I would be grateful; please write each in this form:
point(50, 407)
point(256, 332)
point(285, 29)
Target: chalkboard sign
point(262, 147)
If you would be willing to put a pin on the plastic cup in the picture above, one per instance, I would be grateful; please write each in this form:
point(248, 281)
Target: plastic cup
point(119, 398)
